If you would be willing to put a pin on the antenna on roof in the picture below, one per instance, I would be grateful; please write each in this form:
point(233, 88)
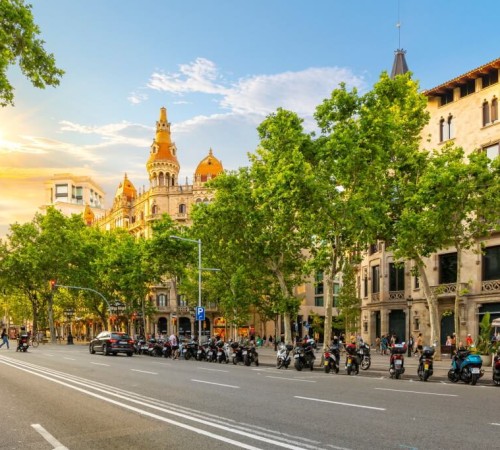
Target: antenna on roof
point(398, 25)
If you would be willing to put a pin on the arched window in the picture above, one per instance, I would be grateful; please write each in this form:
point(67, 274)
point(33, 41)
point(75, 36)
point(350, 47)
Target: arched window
point(486, 113)
point(161, 180)
point(198, 200)
point(451, 127)
point(441, 130)
point(154, 209)
point(494, 109)
point(182, 208)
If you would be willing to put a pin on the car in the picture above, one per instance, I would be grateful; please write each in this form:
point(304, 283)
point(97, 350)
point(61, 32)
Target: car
point(112, 343)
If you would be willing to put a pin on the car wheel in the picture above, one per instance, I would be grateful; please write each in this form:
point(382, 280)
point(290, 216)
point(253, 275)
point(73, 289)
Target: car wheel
point(105, 351)
point(91, 350)
point(130, 353)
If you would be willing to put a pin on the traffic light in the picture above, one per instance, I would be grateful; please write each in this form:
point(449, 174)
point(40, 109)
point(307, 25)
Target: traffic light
point(53, 285)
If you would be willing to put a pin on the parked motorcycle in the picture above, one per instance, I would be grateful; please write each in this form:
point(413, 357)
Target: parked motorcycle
point(155, 348)
point(397, 361)
point(283, 358)
point(425, 363)
point(22, 343)
point(351, 359)
point(364, 357)
point(332, 359)
point(304, 355)
point(222, 352)
point(190, 350)
point(237, 356)
point(466, 367)
point(496, 368)
point(251, 356)
point(211, 351)
point(201, 352)
point(167, 349)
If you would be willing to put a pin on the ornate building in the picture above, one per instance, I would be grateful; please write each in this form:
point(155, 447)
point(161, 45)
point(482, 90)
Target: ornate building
point(464, 111)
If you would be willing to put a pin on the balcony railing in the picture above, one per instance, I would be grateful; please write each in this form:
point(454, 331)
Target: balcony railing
point(396, 295)
point(375, 296)
point(449, 289)
point(490, 286)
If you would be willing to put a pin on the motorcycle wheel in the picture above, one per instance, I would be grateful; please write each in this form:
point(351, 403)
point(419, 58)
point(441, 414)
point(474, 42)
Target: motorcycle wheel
point(398, 375)
point(298, 365)
point(187, 356)
point(279, 363)
point(496, 382)
point(247, 361)
point(426, 375)
point(474, 379)
point(349, 370)
point(452, 376)
point(365, 364)
point(235, 360)
point(337, 369)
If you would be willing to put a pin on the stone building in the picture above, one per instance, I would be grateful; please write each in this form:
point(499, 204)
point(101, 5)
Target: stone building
point(464, 111)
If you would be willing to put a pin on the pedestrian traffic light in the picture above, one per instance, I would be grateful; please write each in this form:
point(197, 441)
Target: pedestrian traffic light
point(53, 285)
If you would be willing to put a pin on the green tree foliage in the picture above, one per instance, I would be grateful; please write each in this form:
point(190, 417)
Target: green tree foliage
point(20, 44)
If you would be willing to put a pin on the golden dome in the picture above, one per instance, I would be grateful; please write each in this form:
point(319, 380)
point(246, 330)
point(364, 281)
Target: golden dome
point(88, 215)
point(209, 167)
point(162, 148)
point(127, 189)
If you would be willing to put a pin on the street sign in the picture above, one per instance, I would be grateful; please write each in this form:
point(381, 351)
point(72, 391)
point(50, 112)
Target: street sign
point(200, 313)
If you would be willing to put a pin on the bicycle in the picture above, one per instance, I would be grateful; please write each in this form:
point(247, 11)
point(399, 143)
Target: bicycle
point(34, 341)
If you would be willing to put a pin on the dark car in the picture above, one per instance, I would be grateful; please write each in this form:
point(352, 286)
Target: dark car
point(112, 342)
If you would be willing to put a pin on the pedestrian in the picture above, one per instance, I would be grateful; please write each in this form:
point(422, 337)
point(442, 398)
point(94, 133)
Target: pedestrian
point(410, 344)
point(384, 343)
point(420, 344)
point(174, 345)
point(449, 345)
point(468, 341)
point(377, 345)
point(5, 339)
point(270, 340)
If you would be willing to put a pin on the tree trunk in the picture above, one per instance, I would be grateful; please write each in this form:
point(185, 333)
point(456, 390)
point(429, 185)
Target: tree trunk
point(328, 286)
point(433, 309)
point(286, 314)
point(50, 304)
point(458, 296)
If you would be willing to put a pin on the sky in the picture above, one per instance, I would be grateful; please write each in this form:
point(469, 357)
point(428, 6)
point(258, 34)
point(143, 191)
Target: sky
point(219, 67)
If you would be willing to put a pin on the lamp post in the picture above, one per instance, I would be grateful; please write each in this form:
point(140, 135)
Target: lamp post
point(117, 307)
point(196, 241)
point(69, 313)
point(409, 302)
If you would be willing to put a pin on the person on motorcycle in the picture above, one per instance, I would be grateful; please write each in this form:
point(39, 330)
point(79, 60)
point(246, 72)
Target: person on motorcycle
point(460, 354)
point(23, 335)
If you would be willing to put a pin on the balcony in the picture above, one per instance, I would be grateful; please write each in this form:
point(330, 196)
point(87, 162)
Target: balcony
point(396, 295)
point(449, 289)
point(490, 286)
point(375, 296)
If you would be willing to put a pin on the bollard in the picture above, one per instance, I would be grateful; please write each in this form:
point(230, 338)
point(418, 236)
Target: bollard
point(70, 339)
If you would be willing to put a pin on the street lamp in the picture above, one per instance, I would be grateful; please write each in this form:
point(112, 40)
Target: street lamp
point(117, 307)
point(196, 241)
point(409, 302)
point(69, 313)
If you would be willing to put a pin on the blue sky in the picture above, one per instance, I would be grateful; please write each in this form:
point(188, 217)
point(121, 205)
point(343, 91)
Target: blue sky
point(219, 67)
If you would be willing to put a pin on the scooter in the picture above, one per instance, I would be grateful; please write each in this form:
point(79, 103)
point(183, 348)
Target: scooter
point(351, 359)
point(22, 345)
point(496, 368)
point(364, 358)
point(332, 359)
point(466, 367)
point(425, 363)
point(283, 358)
point(304, 356)
point(397, 361)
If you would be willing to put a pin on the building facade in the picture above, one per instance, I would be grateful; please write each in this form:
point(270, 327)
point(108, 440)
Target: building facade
point(464, 111)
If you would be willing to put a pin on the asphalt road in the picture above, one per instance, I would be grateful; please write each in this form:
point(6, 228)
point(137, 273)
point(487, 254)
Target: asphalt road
point(59, 396)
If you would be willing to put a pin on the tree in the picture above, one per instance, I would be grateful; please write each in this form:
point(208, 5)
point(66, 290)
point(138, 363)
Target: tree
point(349, 303)
point(19, 43)
point(369, 144)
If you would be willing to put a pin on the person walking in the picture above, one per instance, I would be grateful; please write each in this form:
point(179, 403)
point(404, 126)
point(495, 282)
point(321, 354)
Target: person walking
point(420, 344)
point(5, 339)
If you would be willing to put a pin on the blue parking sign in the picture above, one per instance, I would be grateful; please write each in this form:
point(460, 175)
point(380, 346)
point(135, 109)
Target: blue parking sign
point(200, 313)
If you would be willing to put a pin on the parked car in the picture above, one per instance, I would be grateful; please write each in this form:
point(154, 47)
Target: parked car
point(112, 342)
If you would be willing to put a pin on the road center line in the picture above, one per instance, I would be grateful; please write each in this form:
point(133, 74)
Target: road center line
point(339, 403)
point(48, 437)
point(496, 424)
point(144, 371)
point(99, 364)
point(416, 392)
point(217, 384)
point(291, 379)
point(71, 359)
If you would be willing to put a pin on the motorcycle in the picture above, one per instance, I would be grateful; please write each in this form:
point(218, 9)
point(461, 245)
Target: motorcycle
point(283, 358)
point(304, 356)
point(425, 363)
point(396, 364)
point(351, 360)
point(22, 345)
point(155, 348)
point(190, 350)
point(466, 367)
point(496, 368)
point(211, 351)
point(251, 356)
point(364, 357)
point(222, 355)
point(201, 352)
point(238, 349)
point(167, 349)
point(332, 359)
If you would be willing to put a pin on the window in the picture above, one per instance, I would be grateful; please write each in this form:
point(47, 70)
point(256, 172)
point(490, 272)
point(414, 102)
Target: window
point(154, 209)
point(182, 208)
point(448, 268)
point(491, 263)
point(375, 279)
point(161, 301)
point(318, 301)
point(446, 129)
point(494, 109)
point(396, 277)
point(490, 78)
point(416, 282)
point(468, 88)
point(61, 190)
point(486, 113)
point(373, 249)
point(492, 151)
point(365, 285)
point(318, 283)
point(446, 98)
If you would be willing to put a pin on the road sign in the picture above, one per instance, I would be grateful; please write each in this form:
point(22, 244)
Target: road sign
point(200, 313)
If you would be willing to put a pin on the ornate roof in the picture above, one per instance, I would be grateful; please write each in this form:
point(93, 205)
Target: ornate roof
point(88, 215)
point(127, 189)
point(209, 167)
point(163, 149)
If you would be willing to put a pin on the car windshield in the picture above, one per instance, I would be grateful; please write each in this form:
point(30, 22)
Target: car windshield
point(119, 336)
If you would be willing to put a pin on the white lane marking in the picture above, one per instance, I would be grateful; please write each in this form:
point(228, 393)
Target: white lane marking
point(335, 447)
point(212, 370)
point(154, 416)
point(340, 403)
point(416, 392)
point(99, 364)
point(291, 379)
point(48, 437)
point(144, 371)
point(71, 359)
point(217, 384)
point(497, 424)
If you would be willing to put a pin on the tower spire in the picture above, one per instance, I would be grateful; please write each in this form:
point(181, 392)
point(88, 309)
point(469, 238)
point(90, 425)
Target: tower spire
point(399, 65)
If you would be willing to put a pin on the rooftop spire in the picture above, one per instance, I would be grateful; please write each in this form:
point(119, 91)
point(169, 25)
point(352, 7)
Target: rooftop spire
point(399, 66)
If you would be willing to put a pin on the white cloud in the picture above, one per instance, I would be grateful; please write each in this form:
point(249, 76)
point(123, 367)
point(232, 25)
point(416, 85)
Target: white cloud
point(135, 98)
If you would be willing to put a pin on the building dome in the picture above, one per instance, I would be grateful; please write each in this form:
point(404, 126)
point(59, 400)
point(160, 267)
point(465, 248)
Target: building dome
point(163, 149)
point(126, 189)
point(208, 168)
point(88, 215)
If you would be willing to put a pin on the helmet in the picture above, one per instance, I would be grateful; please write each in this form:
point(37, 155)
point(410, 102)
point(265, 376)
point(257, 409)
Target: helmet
point(310, 341)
